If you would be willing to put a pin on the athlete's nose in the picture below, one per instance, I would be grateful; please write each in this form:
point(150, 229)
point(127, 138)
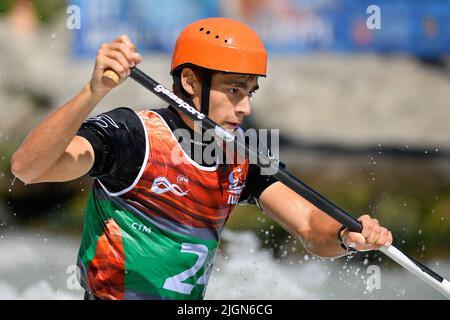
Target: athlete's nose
point(244, 108)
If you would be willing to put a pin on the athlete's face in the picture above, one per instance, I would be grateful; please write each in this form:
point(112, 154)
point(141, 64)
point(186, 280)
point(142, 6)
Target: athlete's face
point(230, 98)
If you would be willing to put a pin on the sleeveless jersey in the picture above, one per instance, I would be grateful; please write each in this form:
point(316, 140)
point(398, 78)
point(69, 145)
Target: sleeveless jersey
point(157, 239)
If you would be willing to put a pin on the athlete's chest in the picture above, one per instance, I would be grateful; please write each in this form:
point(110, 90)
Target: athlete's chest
point(171, 174)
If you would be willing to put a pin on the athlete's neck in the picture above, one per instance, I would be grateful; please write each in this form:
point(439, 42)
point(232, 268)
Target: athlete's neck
point(175, 121)
point(187, 121)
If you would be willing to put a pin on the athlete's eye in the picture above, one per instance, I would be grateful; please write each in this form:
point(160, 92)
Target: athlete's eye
point(233, 91)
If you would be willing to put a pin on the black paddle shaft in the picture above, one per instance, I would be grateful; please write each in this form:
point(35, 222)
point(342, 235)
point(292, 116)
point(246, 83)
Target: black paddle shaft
point(281, 174)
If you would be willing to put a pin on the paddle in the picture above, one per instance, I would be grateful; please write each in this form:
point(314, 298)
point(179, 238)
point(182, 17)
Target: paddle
point(286, 178)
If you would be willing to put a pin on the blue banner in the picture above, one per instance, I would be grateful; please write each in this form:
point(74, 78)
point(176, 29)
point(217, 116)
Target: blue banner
point(417, 27)
point(153, 25)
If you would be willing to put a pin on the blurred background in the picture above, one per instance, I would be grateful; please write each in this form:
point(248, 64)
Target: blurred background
point(363, 108)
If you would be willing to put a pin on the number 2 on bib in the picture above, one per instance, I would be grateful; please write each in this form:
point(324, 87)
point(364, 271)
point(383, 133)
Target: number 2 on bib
point(176, 283)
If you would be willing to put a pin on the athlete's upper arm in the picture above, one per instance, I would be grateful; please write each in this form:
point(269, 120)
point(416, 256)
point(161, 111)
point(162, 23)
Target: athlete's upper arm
point(76, 161)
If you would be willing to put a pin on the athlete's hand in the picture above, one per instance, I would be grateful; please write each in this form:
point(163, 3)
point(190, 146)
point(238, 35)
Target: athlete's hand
point(372, 237)
point(120, 55)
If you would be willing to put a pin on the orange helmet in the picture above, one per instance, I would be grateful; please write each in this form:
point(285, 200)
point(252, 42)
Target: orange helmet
point(220, 44)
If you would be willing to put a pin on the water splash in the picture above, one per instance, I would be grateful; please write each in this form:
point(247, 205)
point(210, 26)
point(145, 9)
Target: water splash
point(38, 270)
point(12, 184)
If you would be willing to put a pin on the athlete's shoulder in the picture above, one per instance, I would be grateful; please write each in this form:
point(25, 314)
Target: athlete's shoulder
point(116, 118)
point(119, 141)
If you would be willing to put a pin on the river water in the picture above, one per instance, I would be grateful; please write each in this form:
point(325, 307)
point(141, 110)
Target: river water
point(41, 266)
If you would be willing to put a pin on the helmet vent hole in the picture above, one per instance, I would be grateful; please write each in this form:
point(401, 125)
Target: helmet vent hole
point(201, 29)
point(217, 37)
point(226, 41)
point(208, 32)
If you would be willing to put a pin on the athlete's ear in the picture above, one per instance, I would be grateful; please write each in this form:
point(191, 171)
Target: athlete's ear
point(190, 82)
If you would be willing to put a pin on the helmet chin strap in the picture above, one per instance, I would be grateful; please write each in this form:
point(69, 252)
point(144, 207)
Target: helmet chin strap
point(206, 90)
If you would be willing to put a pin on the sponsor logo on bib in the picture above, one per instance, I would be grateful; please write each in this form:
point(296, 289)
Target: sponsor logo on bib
point(162, 185)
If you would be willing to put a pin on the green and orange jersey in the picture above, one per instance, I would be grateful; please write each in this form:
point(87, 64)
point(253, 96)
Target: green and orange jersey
point(154, 236)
